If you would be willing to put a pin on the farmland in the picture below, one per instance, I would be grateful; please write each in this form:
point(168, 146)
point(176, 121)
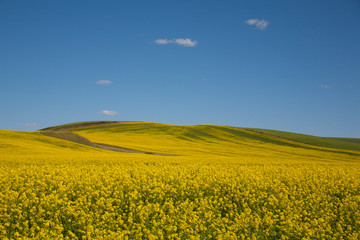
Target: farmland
point(194, 182)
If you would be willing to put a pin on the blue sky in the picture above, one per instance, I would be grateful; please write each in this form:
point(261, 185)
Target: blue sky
point(286, 65)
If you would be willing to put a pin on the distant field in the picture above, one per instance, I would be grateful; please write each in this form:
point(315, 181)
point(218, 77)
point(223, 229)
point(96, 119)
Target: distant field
point(338, 143)
point(351, 140)
point(221, 183)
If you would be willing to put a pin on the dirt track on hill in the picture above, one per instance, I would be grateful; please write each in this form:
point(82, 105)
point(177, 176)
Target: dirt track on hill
point(66, 134)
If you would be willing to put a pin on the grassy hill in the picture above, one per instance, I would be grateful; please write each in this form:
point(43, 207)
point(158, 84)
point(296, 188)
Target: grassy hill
point(338, 143)
point(210, 141)
point(206, 140)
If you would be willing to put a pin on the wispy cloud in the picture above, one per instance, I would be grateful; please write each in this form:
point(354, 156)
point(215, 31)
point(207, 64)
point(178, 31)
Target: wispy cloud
point(109, 113)
point(163, 41)
point(260, 24)
point(325, 86)
point(104, 82)
point(32, 124)
point(186, 42)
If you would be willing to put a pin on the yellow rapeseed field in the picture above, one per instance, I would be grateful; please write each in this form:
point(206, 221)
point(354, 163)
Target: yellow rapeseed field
point(223, 183)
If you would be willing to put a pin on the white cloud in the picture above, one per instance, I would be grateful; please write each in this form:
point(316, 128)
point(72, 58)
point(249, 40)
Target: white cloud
point(324, 86)
point(251, 21)
point(186, 42)
point(32, 124)
point(104, 82)
point(163, 41)
point(109, 113)
point(261, 24)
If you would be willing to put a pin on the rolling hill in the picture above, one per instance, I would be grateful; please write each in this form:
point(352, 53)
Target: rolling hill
point(201, 140)
point(208, 141)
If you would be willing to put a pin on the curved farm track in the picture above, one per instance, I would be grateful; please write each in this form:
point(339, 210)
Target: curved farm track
point(65, 133)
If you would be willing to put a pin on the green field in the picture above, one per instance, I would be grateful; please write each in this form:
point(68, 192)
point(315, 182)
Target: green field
point(339, 143)
point(137, 180)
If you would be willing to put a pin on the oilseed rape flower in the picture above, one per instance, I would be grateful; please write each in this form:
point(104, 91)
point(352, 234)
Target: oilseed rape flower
point(216, 187)
point(113, 201)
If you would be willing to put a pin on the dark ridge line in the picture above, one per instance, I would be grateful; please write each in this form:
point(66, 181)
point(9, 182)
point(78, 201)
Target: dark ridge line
point(71, 126)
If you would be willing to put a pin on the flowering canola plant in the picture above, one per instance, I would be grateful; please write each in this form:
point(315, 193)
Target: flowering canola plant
point(216, 189)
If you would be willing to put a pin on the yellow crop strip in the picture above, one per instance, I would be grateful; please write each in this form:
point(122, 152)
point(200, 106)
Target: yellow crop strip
point(224, 185)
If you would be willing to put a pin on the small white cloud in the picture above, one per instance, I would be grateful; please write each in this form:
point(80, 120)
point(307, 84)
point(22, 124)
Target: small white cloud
point(109, 113)
point(104, 82)
point(251, 21)
point(186, 42)
point(31, 124)
point(260, 24)
point(325, 86)
point(163, 41)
